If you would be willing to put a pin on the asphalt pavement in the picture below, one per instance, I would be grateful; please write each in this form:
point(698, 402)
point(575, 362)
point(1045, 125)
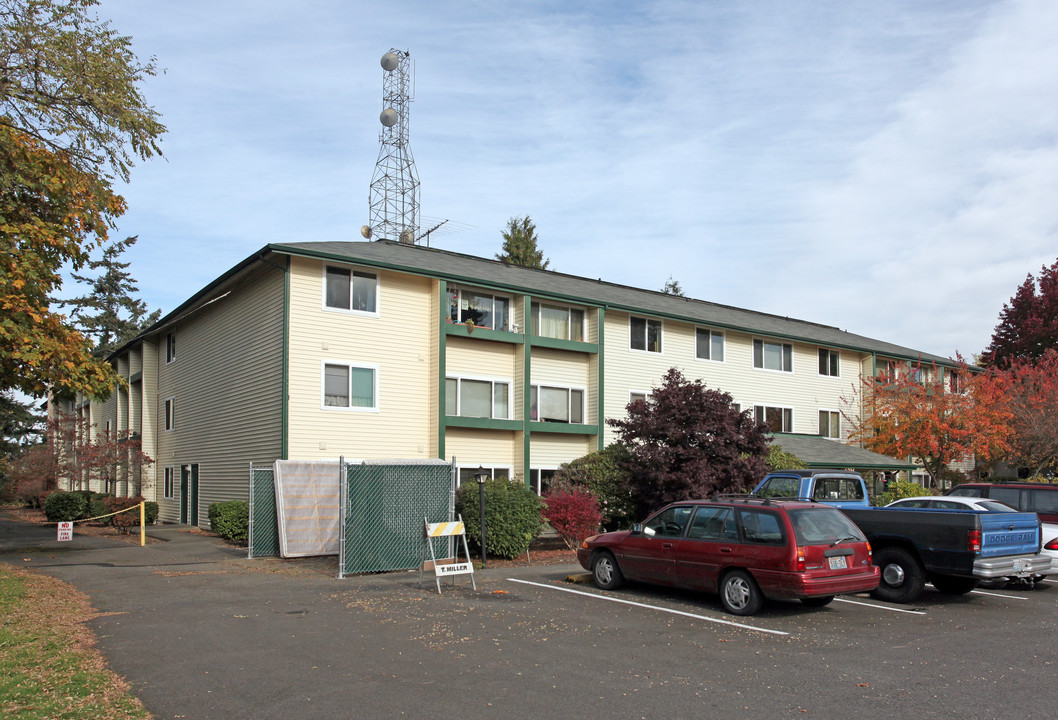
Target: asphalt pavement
point(201, 632)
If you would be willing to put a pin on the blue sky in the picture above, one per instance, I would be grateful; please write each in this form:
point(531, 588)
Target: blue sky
point(887, 168)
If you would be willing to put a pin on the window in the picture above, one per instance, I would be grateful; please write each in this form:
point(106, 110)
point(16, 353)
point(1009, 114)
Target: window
point(556, 404)
point(762, 527)
point(645, 334)
point(352, 290)
point(349, 386)
point(709, 345)
point(540, 479)
point(781, 486)
point(829, 424)
point(715, 524)
point(477, 398)
point(466, 474)
point(773, 356)
point(480, 308)
point(170, 413)
point(561, 323)
point(170, 348)
point(778, 419)
point(829, 488)
point(828, 362)
point(170, 482)
point(634, 395)
point(954, 381)
point(669, 523)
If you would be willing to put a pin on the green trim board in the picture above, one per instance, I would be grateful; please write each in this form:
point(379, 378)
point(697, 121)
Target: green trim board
point(284, 441)
point(601, 381)
point(136, 376)
point(527, 379)
point(546, 342)
point(563, 428)
point(481, 333)
point(481, 423)
point(442, 367)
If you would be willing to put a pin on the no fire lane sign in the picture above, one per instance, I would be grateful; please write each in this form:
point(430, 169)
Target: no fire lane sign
point(65, 531)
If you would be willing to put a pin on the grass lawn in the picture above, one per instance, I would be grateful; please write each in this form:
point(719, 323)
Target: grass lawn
point(49, 667)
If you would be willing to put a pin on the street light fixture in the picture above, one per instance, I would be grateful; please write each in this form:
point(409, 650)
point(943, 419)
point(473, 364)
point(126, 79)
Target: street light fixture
point(481, 476)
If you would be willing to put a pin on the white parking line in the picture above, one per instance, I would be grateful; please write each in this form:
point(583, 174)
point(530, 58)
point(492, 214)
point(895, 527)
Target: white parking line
point(650, 607)
point(1009, 597)
point(880, 607)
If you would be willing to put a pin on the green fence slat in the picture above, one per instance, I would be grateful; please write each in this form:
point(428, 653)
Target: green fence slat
point(264, 520)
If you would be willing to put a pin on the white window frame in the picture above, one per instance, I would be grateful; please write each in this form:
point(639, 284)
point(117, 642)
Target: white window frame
point(569, 401)
point(782, 345)
point(494, 472)
point(535, 478)
point(712, 333)
point(832, 357)
point(169, 482)
point(170, 348)
point(169, 413)
point(492, 395)
point(353, 270)
point(646, 335)
point(783, 408)
point(351, 364)
point(535, 308)
point(830, 413)
point(460, 289)
point(644, 393)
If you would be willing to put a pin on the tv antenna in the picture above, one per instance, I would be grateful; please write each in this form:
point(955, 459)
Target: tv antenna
point(394, 196)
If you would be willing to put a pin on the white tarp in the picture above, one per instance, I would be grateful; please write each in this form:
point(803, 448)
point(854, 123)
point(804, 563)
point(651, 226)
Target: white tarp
point(308, 507)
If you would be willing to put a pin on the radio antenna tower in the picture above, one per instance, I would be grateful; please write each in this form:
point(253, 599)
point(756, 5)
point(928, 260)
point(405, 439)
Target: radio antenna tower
point(394, 198)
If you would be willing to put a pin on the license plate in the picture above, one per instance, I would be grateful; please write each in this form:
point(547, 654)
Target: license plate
point(838, 562)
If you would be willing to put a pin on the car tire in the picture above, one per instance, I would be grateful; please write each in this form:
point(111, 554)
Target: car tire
point(740, 594)
point(902, 577)
point(1038, 582)
point(950, 585)
point(816, 602)
point(605, 571)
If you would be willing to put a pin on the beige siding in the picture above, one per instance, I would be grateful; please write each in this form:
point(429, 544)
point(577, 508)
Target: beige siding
point(560, 368)
point(226, 382)
point(549, 450)
point(467, 357)
point(804, 390)
point(488, 448)
point(398, 343)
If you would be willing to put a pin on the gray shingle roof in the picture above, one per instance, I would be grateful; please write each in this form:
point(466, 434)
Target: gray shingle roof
point(820, 452)
point(448, 265)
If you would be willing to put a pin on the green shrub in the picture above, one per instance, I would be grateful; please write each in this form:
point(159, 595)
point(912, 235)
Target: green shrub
point(230, 520)
point(65, 506)
point(512, 516)
point(150, 510)
point(126, 520)
point(897, 490)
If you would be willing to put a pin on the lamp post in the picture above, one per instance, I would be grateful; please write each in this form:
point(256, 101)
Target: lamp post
point(481, 476)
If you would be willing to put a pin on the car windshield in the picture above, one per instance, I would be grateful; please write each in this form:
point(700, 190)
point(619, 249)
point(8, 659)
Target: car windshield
point(818, 526)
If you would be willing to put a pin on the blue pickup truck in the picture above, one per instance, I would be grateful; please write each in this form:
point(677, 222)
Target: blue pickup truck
point(952, 549)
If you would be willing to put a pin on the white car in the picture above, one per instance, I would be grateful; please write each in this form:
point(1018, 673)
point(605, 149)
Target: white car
point(1049, 531)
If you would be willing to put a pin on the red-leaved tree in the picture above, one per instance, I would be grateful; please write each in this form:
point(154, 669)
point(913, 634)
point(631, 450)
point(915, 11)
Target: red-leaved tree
point(687, 441)
point(1028, 324)
point(1027, 392)
point(910, 411)
point(574, 514)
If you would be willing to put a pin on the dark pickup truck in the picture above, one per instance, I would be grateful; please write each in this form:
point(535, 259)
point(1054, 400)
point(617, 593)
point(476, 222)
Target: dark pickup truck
point(953, 549)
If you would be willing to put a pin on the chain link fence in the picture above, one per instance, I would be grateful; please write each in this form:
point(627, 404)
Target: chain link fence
point(263, 531)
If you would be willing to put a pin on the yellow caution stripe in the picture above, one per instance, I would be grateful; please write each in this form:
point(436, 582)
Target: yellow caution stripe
point(443, 529)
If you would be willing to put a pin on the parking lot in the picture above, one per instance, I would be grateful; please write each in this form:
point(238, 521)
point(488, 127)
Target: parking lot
point(201, 632)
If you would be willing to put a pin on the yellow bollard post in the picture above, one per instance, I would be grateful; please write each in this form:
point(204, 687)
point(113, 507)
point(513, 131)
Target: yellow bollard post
point(143, 529)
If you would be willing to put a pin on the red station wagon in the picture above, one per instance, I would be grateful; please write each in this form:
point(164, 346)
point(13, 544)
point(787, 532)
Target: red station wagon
point(744, 548)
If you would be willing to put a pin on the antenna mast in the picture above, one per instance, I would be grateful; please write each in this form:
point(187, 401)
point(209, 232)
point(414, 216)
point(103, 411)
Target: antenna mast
point(394, 197)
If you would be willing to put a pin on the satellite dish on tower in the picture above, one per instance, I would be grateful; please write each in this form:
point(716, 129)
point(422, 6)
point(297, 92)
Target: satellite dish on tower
point(390, 62)
point(365, 230)
point(389, 117)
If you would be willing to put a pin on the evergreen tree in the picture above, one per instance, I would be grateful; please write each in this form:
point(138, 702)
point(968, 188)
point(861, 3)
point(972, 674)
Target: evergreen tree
point(672, 287)
point(111, 315)
point(519, 245)
point(20, 423)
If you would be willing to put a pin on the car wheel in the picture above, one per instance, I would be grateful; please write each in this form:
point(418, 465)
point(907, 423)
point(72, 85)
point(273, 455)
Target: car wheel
point(739, 593)
point(814, 602)
point(902, 578)
point(953, 585)
point(1038, 582)
point(605, 571)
